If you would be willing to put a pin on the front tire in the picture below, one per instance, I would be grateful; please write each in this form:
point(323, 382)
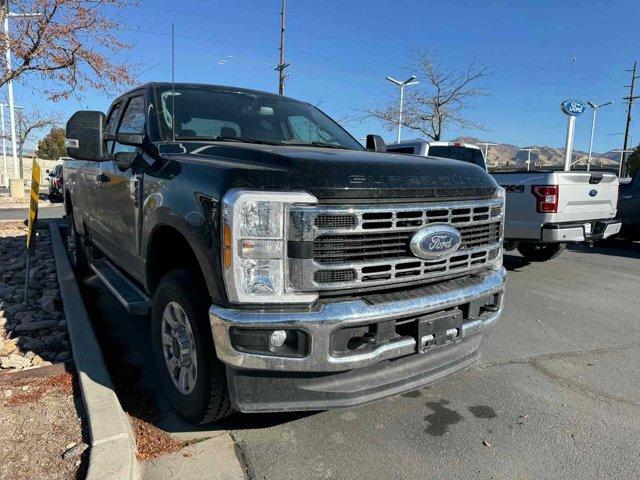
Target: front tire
point(541, 252)
point(76, 248)
point(192, 377)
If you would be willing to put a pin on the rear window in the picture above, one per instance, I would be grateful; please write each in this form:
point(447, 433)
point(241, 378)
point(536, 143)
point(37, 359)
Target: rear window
point(400, 150)
point(470, 155)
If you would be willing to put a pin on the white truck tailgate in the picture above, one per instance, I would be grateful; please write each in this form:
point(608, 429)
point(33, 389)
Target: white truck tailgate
point(586, 196)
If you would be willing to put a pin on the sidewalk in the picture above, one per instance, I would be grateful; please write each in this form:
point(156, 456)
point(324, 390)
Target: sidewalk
point(7, 202)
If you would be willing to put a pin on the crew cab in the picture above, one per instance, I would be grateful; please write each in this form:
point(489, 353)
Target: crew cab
point(283, 265)
point(466, 152)
point(546, 209)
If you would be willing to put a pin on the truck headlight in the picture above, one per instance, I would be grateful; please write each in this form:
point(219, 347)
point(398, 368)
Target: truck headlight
point(254, 226)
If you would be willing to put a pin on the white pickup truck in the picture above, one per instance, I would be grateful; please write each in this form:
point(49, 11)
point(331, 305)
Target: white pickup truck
point(545, 209)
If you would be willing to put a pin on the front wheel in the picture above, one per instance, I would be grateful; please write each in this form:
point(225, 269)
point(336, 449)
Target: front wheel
point(76, 248)
point(541, 252)
point(192, 377)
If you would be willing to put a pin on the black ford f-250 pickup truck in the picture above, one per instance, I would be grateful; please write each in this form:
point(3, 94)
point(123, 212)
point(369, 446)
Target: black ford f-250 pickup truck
point(284, 266)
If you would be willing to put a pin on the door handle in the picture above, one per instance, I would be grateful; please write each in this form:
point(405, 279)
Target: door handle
point(626, 197)
point(102, 178)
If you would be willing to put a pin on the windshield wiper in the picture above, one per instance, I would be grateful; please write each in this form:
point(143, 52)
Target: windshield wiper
point(231, 139)
point(313, 144)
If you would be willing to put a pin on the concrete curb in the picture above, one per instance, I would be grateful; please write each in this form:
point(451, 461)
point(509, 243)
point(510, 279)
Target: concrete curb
point(113, 447)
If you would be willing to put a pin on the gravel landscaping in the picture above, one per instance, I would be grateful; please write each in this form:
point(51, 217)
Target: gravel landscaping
point(32, 334)
point(41, 429)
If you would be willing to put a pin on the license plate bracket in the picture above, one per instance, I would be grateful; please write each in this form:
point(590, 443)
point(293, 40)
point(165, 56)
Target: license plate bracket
point(439, 328)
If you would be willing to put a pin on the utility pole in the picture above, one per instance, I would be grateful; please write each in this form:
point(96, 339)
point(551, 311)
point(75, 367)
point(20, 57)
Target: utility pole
point(282, 65)
point(629, 100)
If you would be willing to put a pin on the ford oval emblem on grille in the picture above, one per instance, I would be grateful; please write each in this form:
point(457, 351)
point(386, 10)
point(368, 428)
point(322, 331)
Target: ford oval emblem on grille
point(435, 242)
point(593, 193)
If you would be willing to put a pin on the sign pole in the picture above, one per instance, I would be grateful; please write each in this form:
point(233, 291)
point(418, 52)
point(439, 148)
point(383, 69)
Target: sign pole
point(33, 218)
point(568, 152)
point(572, 109)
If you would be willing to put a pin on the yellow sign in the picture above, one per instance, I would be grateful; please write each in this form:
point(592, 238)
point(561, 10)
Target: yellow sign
point(33, 203)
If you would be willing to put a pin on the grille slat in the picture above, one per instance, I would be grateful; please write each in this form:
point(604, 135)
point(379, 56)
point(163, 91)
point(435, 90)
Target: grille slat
point(363, 247)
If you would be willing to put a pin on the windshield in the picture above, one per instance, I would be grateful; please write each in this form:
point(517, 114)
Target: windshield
point(207, 113)
point(471, 155)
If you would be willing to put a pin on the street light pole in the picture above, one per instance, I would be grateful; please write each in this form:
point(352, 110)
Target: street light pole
point(12, 118)
point(407, 82)
point(4, 146)
point(7, 53)
point(486, 148)
point(594, 109)
point(529, 150)
point(622, 152)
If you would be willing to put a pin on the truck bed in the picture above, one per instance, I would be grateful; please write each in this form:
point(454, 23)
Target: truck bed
point(583, 197)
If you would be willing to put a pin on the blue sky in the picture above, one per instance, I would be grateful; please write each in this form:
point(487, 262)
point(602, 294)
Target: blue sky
point(341, 51)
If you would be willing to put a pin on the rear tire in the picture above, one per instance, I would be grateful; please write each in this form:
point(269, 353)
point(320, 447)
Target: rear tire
point(541, 252)
point(192, 377)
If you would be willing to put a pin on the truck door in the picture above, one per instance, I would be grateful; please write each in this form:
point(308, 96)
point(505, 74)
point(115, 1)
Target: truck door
point(115, 203)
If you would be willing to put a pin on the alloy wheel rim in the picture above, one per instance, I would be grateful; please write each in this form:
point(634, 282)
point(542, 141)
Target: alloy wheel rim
point(178, 348)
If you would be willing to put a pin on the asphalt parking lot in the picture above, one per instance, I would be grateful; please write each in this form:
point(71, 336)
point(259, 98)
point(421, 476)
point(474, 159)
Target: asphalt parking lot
point(557, 393)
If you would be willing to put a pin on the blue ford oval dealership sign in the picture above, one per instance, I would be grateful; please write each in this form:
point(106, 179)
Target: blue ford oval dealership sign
point(435, 242)
point(573, 108)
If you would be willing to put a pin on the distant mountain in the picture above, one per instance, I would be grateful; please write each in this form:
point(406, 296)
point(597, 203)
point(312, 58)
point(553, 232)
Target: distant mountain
point(504, 155)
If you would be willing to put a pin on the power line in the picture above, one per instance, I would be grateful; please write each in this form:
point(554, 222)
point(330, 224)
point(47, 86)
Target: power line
point(264, 47)
point(542, 65)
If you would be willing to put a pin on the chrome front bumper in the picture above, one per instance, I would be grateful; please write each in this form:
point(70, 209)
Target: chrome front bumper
point(320, 325)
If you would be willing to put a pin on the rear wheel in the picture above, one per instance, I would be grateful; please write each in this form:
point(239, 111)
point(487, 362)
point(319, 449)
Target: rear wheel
point(192, 377)
point(541, 252)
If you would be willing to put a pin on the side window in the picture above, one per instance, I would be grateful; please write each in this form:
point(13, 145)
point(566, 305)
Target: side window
point(112, 123)
point(132, 122)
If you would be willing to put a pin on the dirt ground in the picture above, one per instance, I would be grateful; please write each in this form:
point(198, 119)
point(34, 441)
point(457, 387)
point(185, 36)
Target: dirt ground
point(41, 430)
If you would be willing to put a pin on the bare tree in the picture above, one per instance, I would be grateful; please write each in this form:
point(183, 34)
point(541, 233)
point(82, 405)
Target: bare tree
point(31, 122)
point(441, 101)
point(71, 45)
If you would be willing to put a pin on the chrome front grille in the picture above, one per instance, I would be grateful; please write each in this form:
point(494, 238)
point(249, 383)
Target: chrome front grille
point(328, 249)
point(339, 247)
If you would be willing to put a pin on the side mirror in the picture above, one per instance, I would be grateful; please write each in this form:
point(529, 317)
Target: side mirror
point(375, 143)
point(85, 135)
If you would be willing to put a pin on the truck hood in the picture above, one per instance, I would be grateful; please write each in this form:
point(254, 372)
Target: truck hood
point(335, 173)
